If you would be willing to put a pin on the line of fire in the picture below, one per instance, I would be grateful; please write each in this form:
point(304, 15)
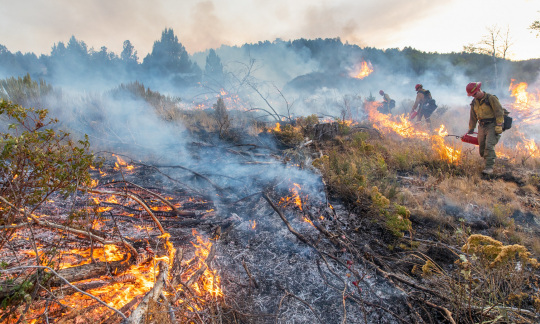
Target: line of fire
point(252, 237)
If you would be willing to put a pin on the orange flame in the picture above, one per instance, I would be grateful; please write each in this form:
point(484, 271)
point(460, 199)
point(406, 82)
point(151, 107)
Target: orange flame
point(385, 123)
point(295, 196)
point(526, 108)
point(403, 126)
point(362, 71)
point(121, 163)
point(447, 153)
point(209, 282)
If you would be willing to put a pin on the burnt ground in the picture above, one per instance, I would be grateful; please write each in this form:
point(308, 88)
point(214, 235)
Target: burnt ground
point(279, 269)
point(324, 262)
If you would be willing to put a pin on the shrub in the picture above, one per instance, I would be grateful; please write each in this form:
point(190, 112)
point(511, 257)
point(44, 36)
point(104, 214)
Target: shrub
point(36, 160)
point(492, 280)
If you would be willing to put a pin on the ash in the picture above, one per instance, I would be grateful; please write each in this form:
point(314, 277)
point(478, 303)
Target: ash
point(292, 282)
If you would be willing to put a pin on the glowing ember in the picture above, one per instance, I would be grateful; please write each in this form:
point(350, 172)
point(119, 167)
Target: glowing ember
point(362, 71)
point(253, 224)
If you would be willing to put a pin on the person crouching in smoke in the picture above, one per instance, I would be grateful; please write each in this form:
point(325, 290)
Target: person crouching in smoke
point(387, 104)
point(486, 110)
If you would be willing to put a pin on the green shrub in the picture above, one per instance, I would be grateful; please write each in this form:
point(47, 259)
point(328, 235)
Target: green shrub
point(36, 160)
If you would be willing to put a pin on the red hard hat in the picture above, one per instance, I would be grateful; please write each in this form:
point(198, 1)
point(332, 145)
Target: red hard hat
point(381, 92)
point(418, 86)
point(473, 88)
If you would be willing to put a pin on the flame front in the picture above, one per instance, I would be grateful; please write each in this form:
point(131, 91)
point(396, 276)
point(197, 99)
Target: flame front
point(525, 109)
point(404, 127)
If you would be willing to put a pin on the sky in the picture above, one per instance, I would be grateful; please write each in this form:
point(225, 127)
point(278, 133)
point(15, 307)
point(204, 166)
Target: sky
point(441, 26)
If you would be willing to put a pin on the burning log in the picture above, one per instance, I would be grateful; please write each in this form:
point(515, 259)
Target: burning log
point(165, 201)
point(90, 270)
point(137, 315)
point(73, 230)
point(73, 274)
point(132, 196)
point(69, 284)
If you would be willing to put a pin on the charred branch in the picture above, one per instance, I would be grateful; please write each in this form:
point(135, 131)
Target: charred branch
point(132, 196)
point(202, 269)
point(251, 279)
point(194, 172)
point(156, 195)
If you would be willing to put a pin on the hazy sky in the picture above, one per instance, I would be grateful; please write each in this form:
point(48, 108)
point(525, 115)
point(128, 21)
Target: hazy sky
point(437, 25)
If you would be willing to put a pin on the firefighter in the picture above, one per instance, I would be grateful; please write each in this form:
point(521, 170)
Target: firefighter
point(486, 110)
point(387, 104)
point(424, 103)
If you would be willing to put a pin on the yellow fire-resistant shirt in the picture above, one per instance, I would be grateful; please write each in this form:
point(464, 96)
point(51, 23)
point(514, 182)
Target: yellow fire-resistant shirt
point(386, 98)
point(481, 110)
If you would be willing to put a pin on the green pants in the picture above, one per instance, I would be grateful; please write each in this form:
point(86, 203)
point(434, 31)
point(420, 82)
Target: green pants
point(487, 139)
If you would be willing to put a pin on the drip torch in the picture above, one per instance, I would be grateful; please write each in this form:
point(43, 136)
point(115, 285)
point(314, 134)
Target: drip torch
point(468, 138)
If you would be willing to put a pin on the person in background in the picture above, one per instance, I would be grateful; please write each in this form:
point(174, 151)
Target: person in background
point(386, 105)
point(424, 103)
point(487, 111)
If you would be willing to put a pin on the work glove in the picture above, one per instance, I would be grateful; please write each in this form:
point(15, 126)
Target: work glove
point(498, 129)
point(470, 131)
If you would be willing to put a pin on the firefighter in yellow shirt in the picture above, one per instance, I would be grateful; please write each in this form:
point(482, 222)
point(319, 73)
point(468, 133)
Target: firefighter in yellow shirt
point(486, 110)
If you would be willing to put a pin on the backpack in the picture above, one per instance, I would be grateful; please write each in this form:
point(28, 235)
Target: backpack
point(507, 123)
point(430, 103)
point(392, 104)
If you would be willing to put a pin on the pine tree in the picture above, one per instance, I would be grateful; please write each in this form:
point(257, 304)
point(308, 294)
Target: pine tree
point(128, 54)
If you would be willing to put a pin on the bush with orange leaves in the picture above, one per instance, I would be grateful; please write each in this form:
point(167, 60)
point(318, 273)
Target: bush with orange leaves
point(491, 281)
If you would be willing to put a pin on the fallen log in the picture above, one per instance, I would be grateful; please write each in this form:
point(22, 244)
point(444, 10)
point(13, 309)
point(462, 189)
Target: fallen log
point(165, 201)
point(73, 274)
point(90, 270)
point(132, 196)
point(137, 316)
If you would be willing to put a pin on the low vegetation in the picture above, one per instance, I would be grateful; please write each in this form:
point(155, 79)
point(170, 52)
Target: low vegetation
point(489, 270)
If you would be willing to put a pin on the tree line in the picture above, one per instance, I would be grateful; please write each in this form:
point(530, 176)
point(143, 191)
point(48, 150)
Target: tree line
point(169, 66)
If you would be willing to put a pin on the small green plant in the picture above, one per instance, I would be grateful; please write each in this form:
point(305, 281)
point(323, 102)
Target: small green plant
point(396, 218)
point(501, 215)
